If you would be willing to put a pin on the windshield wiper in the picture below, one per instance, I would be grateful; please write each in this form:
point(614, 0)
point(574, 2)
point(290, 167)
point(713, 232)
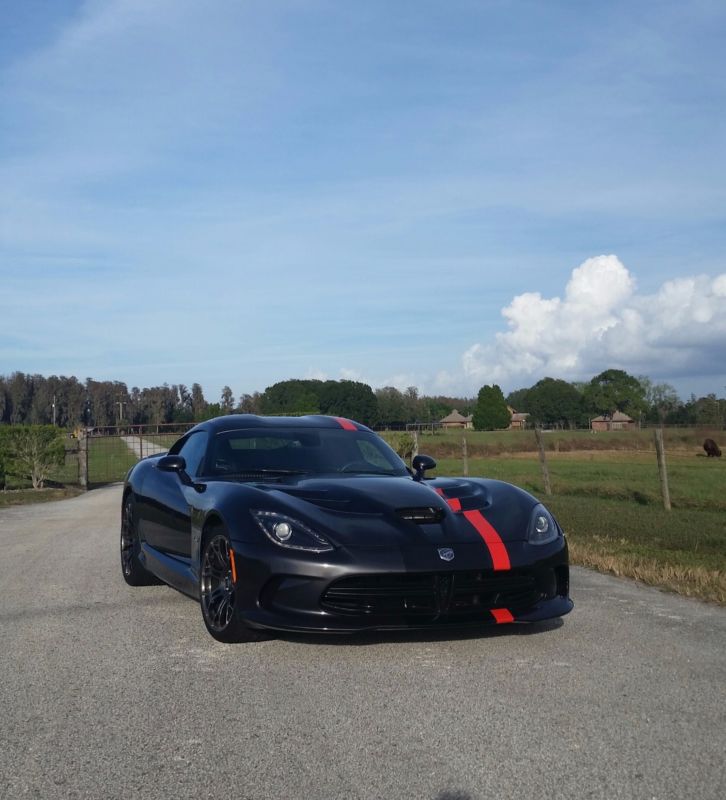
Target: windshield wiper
point(365, 472)
point(264, 473)
point(268, 472)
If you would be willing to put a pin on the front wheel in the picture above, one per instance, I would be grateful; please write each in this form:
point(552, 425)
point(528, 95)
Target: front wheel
point(132, 569)
point(218, 593)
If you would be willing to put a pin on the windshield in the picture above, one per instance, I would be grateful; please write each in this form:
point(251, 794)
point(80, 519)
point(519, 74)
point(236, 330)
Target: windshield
point(253, 453)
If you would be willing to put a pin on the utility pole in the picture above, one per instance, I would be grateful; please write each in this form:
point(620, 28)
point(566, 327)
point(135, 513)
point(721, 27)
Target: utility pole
point(53, 409)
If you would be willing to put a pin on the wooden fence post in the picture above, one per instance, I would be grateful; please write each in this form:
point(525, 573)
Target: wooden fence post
point(83, 460)
point(465, 456)
point(662, 470)
point(543, 460)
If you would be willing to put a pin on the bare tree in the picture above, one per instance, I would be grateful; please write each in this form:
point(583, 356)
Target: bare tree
point(33, 451)
point(227, 400)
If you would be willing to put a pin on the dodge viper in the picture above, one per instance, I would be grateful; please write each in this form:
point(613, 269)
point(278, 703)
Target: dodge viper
point(315, 524)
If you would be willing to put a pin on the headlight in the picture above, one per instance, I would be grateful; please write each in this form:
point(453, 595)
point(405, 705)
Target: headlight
point(288, 532)
point(542, 526)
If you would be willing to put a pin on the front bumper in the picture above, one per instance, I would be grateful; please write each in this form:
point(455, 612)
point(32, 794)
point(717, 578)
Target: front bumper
point(351, 590)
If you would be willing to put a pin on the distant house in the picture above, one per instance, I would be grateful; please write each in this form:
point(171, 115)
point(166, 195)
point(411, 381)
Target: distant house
point(618, 422)
point(518, 421)
point(457, 420)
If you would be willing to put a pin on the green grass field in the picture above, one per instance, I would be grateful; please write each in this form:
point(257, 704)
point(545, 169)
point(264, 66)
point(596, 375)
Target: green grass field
point(488, 443)
point(109, 459)
point(683, 550)
point(695, 482)
point(163, 439)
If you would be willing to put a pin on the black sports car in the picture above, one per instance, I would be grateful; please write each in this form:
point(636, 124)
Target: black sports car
point(315, 524)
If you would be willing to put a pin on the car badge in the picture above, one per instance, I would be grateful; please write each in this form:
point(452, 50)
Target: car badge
point(446, 553)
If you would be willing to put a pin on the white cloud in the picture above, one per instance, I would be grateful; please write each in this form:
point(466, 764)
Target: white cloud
point(601, 321)
point(316, 375)
point(347, 374)
point(400, 380)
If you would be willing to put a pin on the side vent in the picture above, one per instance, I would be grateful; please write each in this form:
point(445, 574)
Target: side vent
point(421, 516)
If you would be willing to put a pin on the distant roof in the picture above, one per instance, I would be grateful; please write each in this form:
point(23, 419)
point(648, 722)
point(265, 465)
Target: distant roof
point(618, 416)
point(519, 416)
point(455, 416)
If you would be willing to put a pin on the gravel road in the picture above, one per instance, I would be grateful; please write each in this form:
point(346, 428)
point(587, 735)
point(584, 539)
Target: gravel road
point(112, 692)
point(142, 448)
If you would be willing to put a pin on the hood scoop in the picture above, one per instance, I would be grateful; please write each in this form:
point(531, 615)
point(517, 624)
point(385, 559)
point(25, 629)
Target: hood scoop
point(469, 495)
point(421, 516)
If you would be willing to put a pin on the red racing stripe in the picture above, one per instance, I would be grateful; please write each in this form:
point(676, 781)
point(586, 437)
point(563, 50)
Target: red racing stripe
point(345, 423)
point(497, 550)
point(454, 502)
point(502, 615)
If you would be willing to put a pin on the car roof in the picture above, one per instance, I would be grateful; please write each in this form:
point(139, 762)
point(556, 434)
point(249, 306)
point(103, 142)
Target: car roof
point(233, 422)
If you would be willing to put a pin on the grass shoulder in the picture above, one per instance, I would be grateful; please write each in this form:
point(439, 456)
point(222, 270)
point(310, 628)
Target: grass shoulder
point(19, 497)
point(683, 550)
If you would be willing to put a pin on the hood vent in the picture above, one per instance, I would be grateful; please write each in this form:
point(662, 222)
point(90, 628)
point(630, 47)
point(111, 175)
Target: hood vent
point(421, 516)
point(329, 503)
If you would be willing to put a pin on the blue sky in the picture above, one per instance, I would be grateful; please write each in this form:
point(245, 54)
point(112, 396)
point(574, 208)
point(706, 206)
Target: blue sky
point(407, 193)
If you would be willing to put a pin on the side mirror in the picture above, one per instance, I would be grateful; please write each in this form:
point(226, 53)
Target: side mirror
point(172, 464)
point(420, 465)
point(179, 465)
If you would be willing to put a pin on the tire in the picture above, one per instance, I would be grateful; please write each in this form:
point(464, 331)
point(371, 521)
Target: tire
point(131, 568)
point(218, 593)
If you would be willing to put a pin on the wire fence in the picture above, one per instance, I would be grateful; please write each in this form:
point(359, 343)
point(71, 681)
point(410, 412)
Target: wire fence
point(104, 455)
point(98, 456)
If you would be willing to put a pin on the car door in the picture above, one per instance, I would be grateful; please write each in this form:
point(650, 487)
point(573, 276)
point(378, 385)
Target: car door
point(165, 513)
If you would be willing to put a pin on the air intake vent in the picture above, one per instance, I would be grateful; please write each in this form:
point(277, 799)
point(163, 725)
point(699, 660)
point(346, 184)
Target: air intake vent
point(430, 596)
point(421, 516)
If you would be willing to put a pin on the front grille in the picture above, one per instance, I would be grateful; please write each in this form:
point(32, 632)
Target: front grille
point(451, 595)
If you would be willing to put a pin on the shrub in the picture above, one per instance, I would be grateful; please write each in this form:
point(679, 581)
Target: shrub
point(31, 452)
point(3, 455)
point(402, 443)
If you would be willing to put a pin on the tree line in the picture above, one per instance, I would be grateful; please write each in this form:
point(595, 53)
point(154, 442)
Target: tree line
point(68, 402)
point(552, 402)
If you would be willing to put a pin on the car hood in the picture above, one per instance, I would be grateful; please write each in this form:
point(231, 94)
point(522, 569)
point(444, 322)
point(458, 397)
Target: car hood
point(371, 511)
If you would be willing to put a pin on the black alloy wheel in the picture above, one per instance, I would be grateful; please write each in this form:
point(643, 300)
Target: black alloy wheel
point(133, 571)
point(218, 593)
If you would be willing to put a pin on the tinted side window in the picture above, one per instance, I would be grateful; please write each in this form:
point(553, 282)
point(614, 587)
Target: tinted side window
point(193, 451)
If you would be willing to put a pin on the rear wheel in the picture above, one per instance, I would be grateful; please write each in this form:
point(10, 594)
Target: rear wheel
point(218, 593)
point(133, 571)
